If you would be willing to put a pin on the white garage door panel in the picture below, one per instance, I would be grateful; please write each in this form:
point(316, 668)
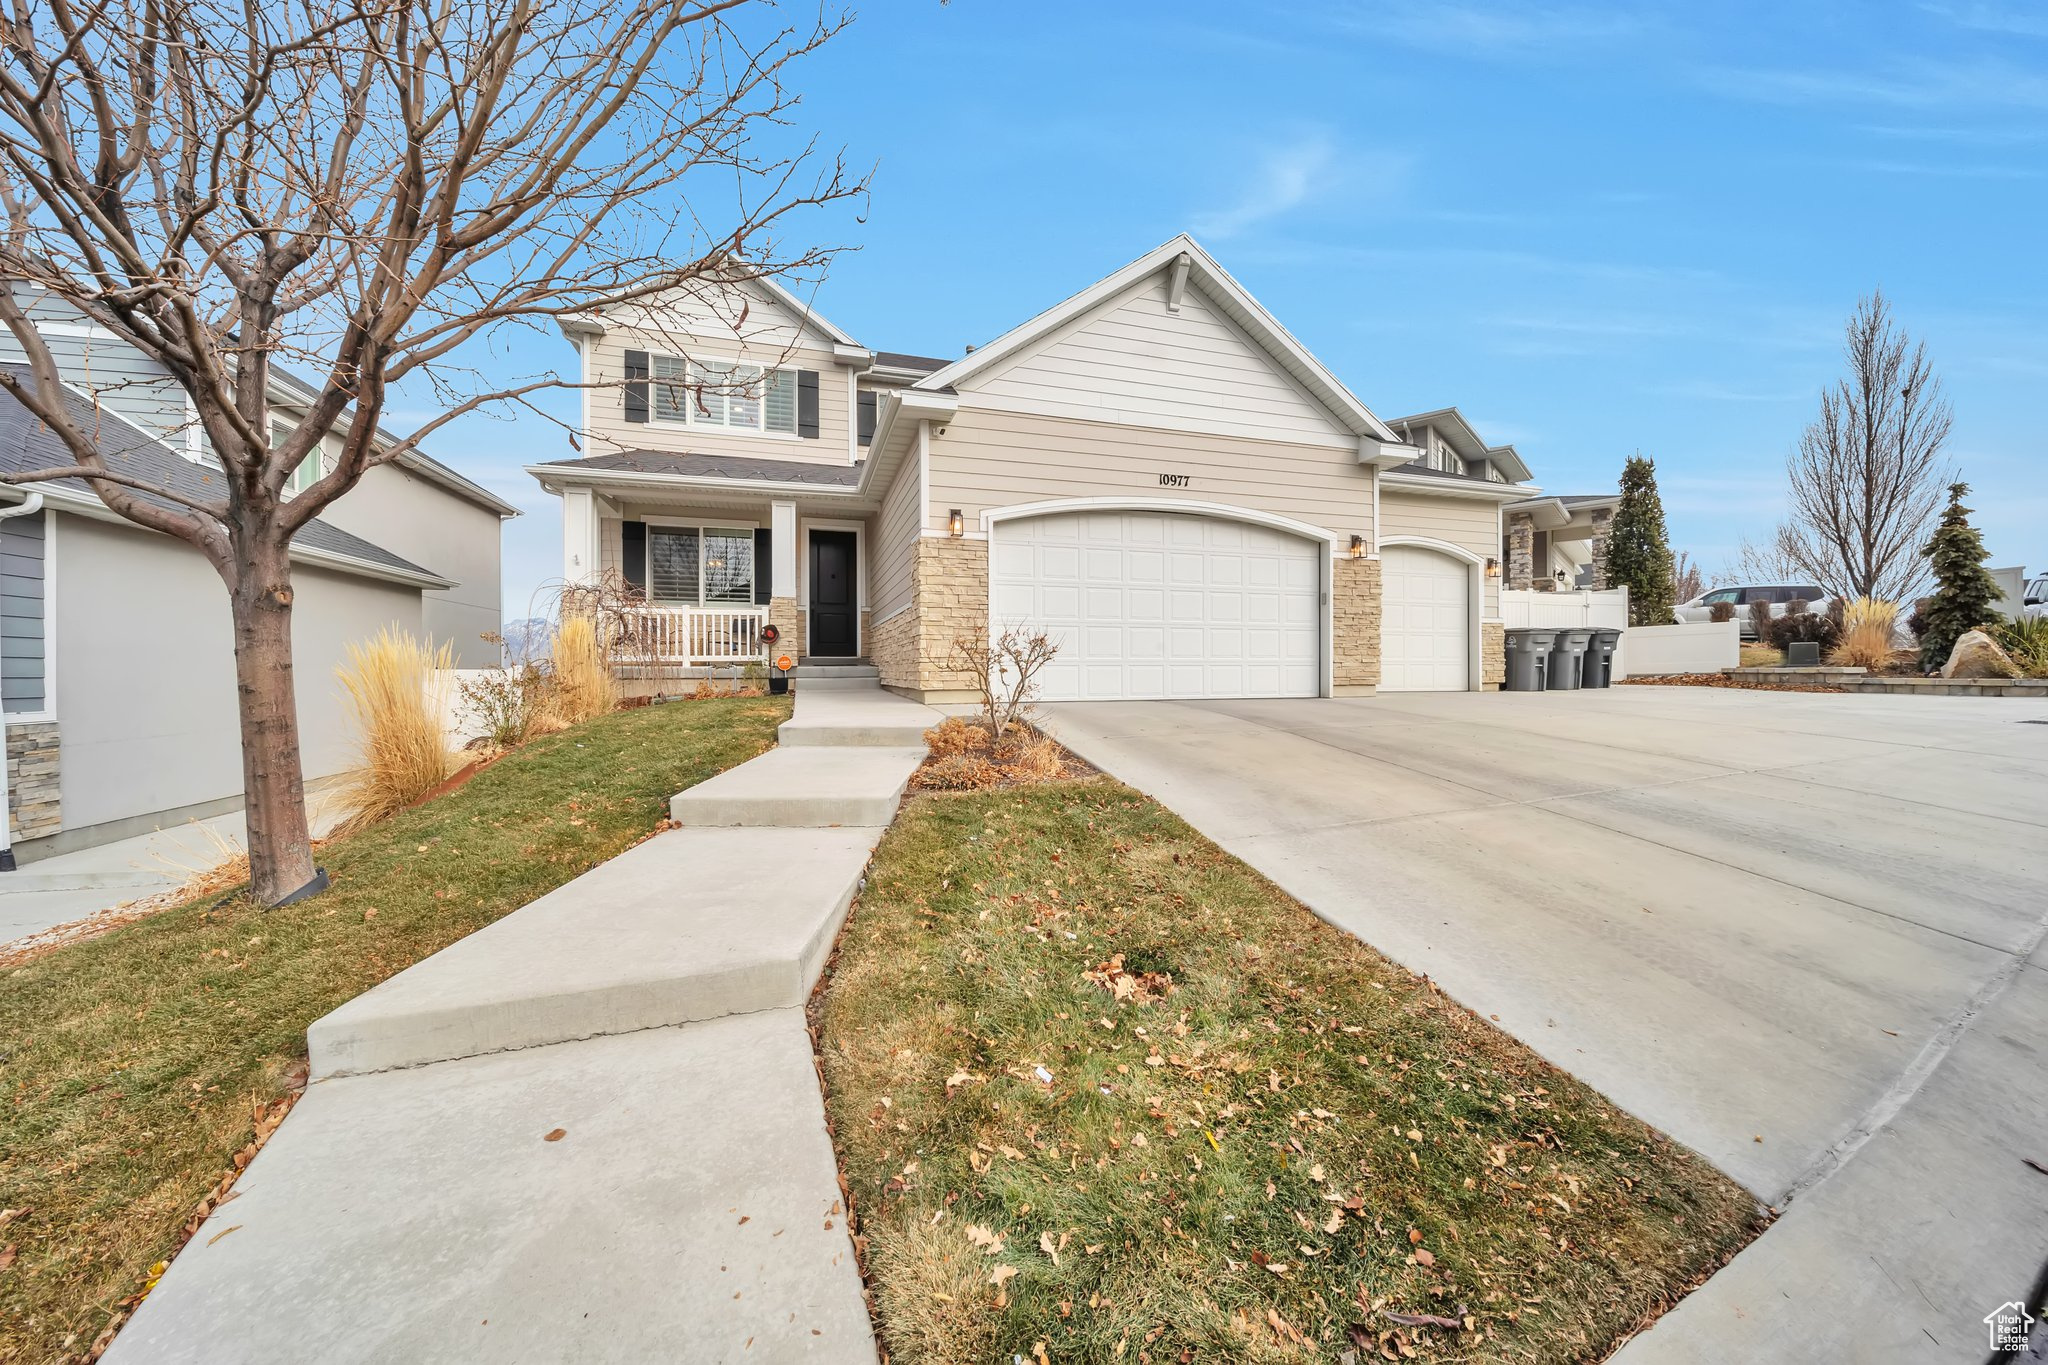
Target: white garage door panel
point(1153, 604)
point(1425, 611)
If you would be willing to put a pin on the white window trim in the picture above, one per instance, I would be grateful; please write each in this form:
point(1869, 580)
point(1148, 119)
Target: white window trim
point(48, 713)
point(700, 527)
point(690, 420)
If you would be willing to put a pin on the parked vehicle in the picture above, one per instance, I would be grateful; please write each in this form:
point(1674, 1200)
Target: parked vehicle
point(2036, 599)
point(1701, 608)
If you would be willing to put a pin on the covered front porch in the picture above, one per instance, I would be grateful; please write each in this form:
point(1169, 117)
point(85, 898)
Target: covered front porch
point(696, 585)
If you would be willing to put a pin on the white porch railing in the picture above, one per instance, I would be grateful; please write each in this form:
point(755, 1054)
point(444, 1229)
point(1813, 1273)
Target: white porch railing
point(688, 636)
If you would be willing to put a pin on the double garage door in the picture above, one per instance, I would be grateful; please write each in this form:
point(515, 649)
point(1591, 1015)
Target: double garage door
point(1163, 605)
point(1150, 605)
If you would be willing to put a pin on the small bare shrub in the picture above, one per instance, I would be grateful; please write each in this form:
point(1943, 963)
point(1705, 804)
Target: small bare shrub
point(505, 703)
point(956, 735)
point(1005, 672)
point(1798, 606)
point(393, 684)
point(1721, 611)
point(1866, 634)
point(582, 675)
point(1760, 619)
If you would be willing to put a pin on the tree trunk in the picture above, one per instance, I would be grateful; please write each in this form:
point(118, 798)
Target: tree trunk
point(280, 849)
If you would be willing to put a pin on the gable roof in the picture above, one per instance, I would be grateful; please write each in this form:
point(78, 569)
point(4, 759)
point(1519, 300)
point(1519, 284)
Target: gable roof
point(419, 462)
point(26, 443)
point(1230, 298)
point(1465, 440)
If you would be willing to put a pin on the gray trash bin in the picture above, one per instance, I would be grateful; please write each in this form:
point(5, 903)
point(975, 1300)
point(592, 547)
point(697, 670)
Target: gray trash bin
point(1598, 670)
point(1567, 657)
point(1528, 658)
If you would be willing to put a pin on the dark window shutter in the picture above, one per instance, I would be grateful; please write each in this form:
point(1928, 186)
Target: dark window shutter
point(636, 386)
point(807, 404)
point(764, 565)
point(633, 552)
point(867, 417)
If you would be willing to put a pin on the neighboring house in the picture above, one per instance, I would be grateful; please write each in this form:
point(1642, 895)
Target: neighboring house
point(1550, 541)
point(1153, 470)
point(115, 643)
point(415, 507)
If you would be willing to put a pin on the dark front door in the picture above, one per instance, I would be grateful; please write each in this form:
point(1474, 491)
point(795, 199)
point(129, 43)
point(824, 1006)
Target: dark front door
point(835, 608)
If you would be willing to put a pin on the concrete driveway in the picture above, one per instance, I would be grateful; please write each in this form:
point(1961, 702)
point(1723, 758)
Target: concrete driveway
point(1802, 933)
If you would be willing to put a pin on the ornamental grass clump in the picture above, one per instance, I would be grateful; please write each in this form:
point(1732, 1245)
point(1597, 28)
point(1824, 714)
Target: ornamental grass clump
point(1867, 630)
point(394, 686)
point(582, 675)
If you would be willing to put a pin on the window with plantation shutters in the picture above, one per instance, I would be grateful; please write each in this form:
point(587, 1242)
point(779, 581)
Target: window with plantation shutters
point(724, 394)
point(701, 565)
point(672, 553)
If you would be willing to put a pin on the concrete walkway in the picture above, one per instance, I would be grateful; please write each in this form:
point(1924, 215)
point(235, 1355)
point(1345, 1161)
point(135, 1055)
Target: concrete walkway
point(1806, 935)
point(589, 1131)
point(72, 886)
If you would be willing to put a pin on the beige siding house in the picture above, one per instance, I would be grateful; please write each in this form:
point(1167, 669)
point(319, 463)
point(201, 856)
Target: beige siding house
point(1152, 470)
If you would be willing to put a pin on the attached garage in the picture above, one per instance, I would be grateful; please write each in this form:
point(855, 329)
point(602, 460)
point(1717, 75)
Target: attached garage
point(1152, 605)
point(1426, 630)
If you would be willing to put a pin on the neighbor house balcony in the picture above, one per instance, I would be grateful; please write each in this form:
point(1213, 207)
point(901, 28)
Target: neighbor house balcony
point(653, 640)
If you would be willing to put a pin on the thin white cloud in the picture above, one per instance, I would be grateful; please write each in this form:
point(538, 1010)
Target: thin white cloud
point(1948, 170)
point(1708, 391)
point(1502, 31)
point(2027, 22)
point(1926, 85)
point(1291, 172)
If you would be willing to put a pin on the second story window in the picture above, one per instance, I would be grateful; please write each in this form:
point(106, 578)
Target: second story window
point(309, 471)
point(716, 393)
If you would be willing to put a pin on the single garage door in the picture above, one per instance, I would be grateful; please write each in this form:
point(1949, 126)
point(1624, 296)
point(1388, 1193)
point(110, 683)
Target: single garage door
point(1148, 605)
point(1426, 622)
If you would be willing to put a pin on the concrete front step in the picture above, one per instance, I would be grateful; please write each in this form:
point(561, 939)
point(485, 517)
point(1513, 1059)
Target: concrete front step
point(803, 683)
point(859, 716)
point(690, 925)
point(837, 668)
point(687, 1210)
point(804, 787)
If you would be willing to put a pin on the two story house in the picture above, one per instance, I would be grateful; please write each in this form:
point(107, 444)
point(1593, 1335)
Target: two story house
point(1153, 470)
point(116, 655)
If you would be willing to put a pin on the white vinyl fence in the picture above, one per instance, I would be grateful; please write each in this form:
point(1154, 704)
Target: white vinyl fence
point(1695, 647)
point(1582, 610)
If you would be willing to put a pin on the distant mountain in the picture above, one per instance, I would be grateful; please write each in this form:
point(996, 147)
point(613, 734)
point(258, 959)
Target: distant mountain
point(527, 641)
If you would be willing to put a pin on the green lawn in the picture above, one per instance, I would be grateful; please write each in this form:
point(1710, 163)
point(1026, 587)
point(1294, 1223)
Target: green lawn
point(1297, 1148)
point(131, 1062)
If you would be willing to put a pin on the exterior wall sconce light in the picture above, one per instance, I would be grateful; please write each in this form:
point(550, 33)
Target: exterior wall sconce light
point(1358, 547)
point(956, 525)
point(1492, 567)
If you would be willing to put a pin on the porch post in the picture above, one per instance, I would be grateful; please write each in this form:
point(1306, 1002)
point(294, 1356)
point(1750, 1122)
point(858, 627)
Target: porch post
point(782, 609)
point(579, 536)
point(1603, 527)
point(1521, 551)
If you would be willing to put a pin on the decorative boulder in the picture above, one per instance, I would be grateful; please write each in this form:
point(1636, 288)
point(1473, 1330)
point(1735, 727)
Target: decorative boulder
point(1977, 655)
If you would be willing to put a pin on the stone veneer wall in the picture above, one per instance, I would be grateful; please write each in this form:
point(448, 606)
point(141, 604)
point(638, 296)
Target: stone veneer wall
point(948, 599)
point(1493, 655)
point(32, 772)
point(892, 648)
point(785, 617)
point(1355, 624)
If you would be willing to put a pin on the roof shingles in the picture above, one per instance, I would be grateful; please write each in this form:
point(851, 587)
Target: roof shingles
point(26, 444)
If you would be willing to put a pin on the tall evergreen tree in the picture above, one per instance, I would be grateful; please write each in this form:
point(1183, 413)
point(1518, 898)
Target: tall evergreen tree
point(1964, 590)
point(1638, 551)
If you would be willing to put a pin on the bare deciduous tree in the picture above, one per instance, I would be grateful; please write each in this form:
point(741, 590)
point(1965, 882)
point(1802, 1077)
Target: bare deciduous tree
point(1686, 580)
point(362, 187)
point(1867, 479)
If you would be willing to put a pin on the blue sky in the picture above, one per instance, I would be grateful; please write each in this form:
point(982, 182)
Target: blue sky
point(1595, 229)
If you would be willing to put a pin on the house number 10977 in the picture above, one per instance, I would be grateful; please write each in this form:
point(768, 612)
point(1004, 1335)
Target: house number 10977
point(1173, 481)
